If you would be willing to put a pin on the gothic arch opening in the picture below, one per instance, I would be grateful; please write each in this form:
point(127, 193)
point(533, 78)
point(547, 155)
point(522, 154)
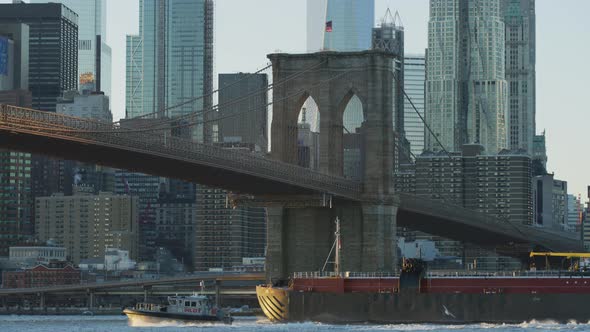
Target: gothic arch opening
point(352, 112)
point(308, 135)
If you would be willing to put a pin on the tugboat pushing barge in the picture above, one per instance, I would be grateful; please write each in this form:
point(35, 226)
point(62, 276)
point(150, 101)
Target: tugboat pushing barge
point(416, 296)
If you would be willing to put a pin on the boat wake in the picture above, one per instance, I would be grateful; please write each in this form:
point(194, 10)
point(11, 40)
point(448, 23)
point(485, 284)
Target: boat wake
point(147, 322)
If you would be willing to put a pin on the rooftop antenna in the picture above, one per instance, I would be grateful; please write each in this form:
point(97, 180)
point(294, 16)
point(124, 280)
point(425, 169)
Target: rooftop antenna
point(391, 20)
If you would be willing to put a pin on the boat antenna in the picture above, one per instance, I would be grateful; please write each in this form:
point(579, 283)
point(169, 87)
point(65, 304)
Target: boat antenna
point(338, 248)
point(336, 245)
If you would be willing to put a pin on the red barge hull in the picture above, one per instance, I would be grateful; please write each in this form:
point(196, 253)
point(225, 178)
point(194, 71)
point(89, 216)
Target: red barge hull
point(435, 300)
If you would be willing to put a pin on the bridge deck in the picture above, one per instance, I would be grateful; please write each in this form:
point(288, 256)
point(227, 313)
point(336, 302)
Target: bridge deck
point(159, 153)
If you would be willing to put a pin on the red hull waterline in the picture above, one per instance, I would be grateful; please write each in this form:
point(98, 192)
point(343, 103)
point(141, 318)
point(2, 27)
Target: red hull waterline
point(435, 299)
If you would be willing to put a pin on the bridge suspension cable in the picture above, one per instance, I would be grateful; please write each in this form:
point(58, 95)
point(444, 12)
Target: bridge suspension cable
point(189, 124)
point(232, 102)
point(192, 100)
point(501, 215)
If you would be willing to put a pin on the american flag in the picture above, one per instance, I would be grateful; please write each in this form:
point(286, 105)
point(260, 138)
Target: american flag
point(329, 26)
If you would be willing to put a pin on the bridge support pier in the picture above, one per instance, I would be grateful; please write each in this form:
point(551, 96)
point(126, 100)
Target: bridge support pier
point(41, 300)
point(217, 293)
point(379, 250)
point(91, 300)
point(299, 239)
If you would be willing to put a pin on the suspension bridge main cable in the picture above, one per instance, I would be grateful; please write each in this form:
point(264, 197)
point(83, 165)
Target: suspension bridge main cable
point(183, 125)
point(232, 102)
point(192, 100)
point(501, 215)
point(420, 115)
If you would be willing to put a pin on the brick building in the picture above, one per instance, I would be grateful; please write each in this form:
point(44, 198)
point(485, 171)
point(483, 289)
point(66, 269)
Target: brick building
point(41, 276)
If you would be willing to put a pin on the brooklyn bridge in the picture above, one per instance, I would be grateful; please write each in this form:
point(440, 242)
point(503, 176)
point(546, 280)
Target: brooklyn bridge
point(301, 203)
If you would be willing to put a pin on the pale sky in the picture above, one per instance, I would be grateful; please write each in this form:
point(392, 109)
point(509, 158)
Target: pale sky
point(247, 30)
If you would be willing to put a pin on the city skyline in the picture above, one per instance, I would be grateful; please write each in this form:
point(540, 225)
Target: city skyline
point(560, 106)
point(313, 156)
point(290, 36)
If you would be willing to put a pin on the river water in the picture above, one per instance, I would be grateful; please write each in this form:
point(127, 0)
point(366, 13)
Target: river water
point(119, 324)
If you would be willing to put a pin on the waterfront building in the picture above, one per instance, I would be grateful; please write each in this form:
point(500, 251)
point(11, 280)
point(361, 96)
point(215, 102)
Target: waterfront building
point(53, 45)
point(94, 54)
point(520, 53)
point(86, 224)
point(414, 80)
point(177, 67)
point(118, 260)
point(31, 256)
point(466, 89)
point(243, 108)
point(42, 275)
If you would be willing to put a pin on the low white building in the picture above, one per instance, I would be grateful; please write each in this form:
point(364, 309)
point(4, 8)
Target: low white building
point(118, 260)
point(36, 255)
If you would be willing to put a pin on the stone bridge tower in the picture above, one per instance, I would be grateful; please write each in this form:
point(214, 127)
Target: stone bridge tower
point(300, 237)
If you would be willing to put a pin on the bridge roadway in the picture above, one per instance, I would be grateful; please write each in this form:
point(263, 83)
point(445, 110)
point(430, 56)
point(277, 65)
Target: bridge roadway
point(249, 279)
point(153, 153)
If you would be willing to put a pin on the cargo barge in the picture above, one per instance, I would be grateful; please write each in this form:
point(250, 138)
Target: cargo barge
point(416, 296)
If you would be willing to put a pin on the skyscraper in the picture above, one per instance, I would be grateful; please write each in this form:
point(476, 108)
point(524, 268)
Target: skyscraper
point(94, 54)
point(352, 22)
point(134, 77)
point(519, 18)
point(177, 57)
point(414, 77)
point(351, 30)
point(466, 90)
point(53, 56)
point(15, 167)
point(389, 37)
point(243, 109)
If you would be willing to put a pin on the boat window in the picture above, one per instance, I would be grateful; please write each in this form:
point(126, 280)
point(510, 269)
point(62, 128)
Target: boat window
point(194, 304)
point(187, 303)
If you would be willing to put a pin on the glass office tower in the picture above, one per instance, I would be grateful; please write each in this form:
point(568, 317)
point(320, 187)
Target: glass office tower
point(53, 35)
point(177, 37)
point(352, 23)
point(134, 77)
point(94, 54)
